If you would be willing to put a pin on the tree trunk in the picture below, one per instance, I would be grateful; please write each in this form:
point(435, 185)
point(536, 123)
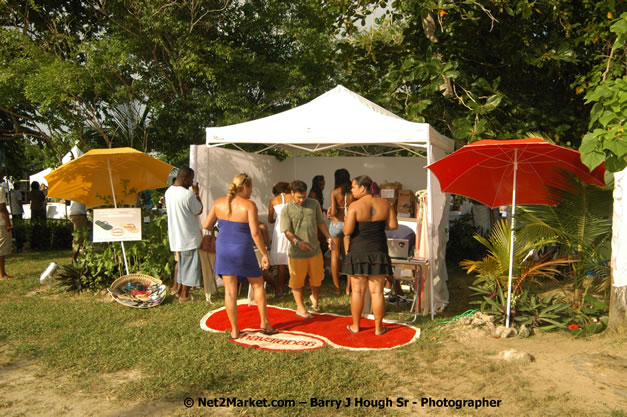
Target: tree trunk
point(618, 296)
point(618, 310)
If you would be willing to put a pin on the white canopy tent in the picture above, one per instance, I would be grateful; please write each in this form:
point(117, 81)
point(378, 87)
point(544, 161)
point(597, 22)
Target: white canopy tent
point(339, 119)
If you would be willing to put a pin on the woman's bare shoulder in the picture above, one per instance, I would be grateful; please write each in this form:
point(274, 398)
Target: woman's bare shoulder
point(356, 205)
point(382, 203)
point(250, 203)
point(246, 203)
point(220, 202)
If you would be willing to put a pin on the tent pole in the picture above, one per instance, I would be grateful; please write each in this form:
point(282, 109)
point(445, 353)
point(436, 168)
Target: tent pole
point(115, 204)
point(511, 243)
point(431, 226)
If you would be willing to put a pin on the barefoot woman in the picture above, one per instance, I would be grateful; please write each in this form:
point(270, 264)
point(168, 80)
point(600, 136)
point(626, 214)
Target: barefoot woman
point(341, 198)
point(239, 227)
point(367, 261)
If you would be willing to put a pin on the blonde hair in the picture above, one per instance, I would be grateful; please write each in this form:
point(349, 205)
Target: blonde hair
point(237, 185)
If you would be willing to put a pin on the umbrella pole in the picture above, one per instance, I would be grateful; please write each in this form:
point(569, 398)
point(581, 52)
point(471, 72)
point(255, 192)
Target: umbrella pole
point(511, 242)
point(115, 204)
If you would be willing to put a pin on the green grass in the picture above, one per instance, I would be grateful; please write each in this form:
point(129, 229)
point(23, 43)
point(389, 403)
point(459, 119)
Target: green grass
point(98, 344)
point(88, 337)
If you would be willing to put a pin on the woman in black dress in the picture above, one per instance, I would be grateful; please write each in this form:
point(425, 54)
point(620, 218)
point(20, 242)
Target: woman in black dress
point(367, 262)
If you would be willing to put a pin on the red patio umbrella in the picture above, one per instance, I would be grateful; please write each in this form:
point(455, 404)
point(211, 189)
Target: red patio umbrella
point(503, 172)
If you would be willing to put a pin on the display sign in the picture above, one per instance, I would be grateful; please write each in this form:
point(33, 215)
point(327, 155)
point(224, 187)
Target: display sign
point(387, 193)
point(117, 225)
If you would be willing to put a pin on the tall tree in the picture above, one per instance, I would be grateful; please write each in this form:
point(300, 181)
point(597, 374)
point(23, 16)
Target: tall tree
point(72, 68)
point(607, 142)
point(485, 69)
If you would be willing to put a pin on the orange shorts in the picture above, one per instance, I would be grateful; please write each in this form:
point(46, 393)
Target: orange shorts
point(301, 267)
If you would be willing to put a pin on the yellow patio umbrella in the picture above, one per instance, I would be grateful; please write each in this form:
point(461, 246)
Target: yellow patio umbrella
point(107, 176)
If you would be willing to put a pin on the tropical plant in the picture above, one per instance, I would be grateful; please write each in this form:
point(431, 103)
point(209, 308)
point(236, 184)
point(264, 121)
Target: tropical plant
point(545, 313)
point(99, 264)
point(591, 318)
point(152, 254)
point(493, 270)
point(580, 224)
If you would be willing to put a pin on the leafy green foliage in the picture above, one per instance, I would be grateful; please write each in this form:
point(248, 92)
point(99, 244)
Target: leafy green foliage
point(51, 235)
point(606, 140)
point(99, 264)
point(580, 225)
point(22, 231)
point(592, 317)
point(547, 313)
point(493, 270)
point(152, 254)
point(153, 74)
point(459, 66)
point(461, 243)
point(608, 120)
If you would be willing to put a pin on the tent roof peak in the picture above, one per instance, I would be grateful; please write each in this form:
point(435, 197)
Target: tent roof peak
point(339, 118)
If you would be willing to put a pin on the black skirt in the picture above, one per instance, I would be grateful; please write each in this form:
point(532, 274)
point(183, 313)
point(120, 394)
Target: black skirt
point(368, 251)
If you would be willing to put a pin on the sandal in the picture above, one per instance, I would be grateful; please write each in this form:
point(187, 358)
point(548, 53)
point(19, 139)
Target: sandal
point(348, 327)
point(385, 330)
point(130, 227)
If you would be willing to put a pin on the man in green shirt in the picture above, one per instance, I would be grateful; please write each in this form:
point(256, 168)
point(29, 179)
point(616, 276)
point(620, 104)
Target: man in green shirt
point(300, 221)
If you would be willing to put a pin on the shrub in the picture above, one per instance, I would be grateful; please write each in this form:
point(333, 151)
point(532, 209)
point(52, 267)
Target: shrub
point(99, 264)
point(461, 242)
point(545, 313)
point(22, 233)
point(52, 234)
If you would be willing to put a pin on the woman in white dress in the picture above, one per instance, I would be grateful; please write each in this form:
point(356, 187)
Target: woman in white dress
point(280, 244)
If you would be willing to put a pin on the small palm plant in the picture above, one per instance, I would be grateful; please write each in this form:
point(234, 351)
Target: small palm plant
point(493, 274)
point(493, 270)
point(580, 225)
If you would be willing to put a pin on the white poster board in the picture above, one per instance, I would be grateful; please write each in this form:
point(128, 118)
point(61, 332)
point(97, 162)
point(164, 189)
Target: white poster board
point(117, 225)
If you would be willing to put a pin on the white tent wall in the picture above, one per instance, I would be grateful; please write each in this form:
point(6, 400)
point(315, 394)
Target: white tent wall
point(439, 213)
point(267, 170)
point(40, 177)
point(215, 168)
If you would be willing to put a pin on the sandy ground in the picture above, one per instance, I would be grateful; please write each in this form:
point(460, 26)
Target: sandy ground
point(27, 390)
point(567, 377)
